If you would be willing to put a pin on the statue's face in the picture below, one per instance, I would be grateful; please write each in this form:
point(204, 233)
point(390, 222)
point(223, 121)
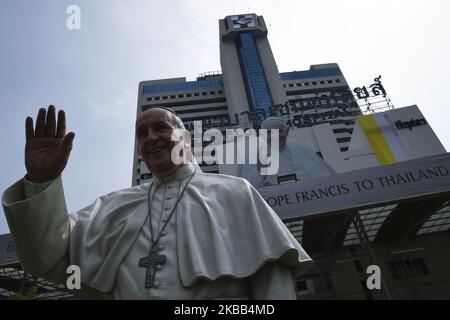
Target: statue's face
point(154, 130)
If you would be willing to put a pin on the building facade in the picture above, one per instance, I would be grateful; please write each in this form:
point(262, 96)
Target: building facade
point(250, 88)
point(405, 238)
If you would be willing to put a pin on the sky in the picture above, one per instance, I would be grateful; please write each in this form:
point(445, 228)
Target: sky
point(93, 73)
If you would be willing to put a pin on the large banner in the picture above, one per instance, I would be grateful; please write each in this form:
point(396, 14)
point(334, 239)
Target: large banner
point(296, 162)
point(406, 179)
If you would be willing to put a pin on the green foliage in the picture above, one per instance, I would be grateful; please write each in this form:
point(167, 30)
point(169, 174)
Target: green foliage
point(29, 295)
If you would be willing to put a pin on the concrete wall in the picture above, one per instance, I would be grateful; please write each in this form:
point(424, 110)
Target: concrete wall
point(232, 78)
point(271, 71)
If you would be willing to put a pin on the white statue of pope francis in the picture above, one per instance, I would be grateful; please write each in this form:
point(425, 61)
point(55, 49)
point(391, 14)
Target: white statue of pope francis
point(185, 235)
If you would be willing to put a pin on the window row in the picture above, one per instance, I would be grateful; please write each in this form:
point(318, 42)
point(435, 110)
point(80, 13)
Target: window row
point(312, 83)
point(183, 86)
point(185, 95)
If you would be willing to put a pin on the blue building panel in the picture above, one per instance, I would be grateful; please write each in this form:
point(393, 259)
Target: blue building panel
point(253, 72)
point(183, 86)
point(298, 75)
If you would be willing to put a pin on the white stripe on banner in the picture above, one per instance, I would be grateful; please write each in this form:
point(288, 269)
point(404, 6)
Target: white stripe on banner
point(392, 136)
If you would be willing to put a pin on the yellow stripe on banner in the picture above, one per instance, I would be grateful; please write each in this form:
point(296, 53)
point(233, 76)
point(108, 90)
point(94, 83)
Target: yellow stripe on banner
point(376, 139)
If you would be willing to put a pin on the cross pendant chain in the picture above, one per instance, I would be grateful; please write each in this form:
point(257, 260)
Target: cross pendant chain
point(151, 262)
point(153, 259)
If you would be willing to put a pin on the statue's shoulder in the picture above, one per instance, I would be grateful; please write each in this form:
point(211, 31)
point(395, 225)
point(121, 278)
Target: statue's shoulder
point(134, 192)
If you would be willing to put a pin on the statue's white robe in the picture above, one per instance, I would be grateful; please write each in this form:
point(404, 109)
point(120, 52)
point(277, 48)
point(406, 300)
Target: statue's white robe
point(223, 240)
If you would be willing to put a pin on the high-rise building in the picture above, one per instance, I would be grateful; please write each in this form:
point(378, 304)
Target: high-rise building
point(250, 88)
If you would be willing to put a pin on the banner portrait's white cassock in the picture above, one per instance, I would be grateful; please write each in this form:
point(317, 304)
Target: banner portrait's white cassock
point(294, 159)
point(223, 240)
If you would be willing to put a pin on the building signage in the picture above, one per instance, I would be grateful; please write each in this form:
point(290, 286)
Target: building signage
point(410, 124)
point(376, 89)
point(366, 187)
point(340, 104)
point(242, 21)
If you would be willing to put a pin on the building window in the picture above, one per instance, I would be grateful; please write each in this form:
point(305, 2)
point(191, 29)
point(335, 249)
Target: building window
point(337, 80)
point(301, 285)
point(343, 130)
point(180, 96)
point(212, 92)
point(408, 268)
point(322, 82)
point(156, 98)
point(190, 85)
point(284, 85)
point(172, 97)
point(149, 99)
point(291, 85)
point(314, 83)
point(204, 93)
point(220, 92)
point(164, 97)
point(196, 94)
point(188, 94)
point(313, 284)
point(306, 83)
point(299, 84)
point(330, 81)
point(346, 139)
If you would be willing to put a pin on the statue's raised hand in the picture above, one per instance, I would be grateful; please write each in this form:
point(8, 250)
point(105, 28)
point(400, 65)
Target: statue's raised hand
point(48, 147)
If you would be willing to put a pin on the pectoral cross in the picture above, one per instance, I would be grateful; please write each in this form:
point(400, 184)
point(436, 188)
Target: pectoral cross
point(151, 262)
